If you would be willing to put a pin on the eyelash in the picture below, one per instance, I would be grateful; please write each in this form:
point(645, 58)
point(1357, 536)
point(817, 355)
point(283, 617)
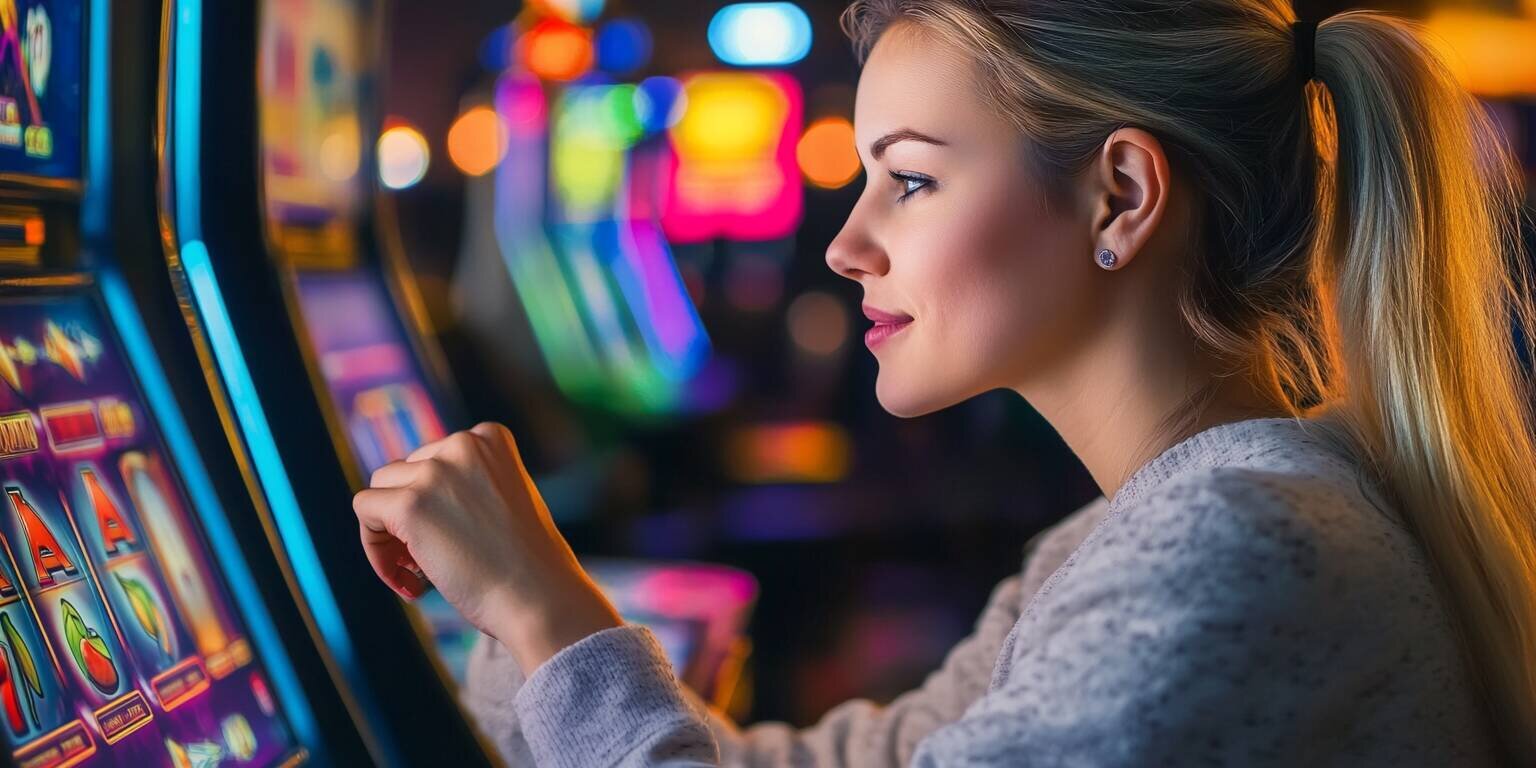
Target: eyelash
point(905, 178)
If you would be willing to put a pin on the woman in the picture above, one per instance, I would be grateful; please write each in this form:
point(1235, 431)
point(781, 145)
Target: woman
point(1255, 273)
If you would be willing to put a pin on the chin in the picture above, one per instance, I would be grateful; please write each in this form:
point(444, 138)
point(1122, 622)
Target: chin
point(901, 399)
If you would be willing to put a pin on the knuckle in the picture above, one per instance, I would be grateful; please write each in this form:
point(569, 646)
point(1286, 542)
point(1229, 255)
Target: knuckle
point(378, 475)
point(432, 471)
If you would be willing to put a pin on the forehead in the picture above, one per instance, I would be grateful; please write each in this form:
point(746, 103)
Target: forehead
point(916, 79)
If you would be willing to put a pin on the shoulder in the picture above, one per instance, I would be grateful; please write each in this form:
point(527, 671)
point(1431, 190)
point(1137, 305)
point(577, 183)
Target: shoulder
point(1238, 541)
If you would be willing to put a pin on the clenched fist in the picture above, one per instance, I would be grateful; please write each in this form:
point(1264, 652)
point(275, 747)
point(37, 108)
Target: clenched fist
point(463, 512)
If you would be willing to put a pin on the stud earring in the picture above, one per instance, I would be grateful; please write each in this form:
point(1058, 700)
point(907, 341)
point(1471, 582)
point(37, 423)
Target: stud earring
point(1107, 258)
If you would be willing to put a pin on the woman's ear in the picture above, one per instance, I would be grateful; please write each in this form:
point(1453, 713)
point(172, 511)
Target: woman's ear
point(1129, 185)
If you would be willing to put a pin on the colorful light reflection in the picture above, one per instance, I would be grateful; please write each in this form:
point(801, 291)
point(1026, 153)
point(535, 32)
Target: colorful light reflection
point(477, 141)
point(623, 46)
point(735, 175)
point(403, 157)
point(794, 452)
point(827, 154)
point(604, 297)
point(760, 34)
point(557, 50)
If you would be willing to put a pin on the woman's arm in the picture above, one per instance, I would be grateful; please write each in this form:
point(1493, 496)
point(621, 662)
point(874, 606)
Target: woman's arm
point(463, 513)
point(858, 734)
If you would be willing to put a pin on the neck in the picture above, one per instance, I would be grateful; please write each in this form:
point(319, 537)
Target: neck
point(1118, 403)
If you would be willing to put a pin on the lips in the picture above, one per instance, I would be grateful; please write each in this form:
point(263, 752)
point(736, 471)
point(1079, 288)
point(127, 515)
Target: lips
point(887, 324)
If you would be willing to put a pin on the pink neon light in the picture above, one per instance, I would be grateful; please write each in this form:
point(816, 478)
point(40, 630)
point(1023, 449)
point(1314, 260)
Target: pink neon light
point(761, 202)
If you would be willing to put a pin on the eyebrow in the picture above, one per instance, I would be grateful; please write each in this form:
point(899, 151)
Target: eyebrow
point(877, 149)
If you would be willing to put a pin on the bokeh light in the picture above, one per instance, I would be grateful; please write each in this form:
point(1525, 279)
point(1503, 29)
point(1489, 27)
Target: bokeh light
point(496, 49)
point(736, 174)
point(659, 103)
point(477, 141)
point(818, 323)
point(341, 151)
point(578, 11)
point(1492, 56)
point(826, 153)
point(623, 46)
point(792, 452)
point(403, 156)
point(760, 34)
point(731, 119)
point(557, 50)
point(593, 129)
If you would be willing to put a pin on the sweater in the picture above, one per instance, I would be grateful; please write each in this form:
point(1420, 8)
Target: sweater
point(1248, 597)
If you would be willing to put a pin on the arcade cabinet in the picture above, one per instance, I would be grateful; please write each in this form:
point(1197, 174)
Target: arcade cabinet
point(309, 320)
point(133, 628)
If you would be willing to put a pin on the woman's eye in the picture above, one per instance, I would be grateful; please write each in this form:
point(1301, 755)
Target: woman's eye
point(911, 184)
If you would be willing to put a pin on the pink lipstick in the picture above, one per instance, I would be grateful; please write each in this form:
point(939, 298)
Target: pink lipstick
point(886, 325)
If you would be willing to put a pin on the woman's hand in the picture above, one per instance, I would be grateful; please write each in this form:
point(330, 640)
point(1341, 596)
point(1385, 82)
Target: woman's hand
point(463, 512)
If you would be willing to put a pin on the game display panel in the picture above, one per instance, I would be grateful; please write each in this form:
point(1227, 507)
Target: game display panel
point(375, 380)
point(41, 57)
point(119, 645)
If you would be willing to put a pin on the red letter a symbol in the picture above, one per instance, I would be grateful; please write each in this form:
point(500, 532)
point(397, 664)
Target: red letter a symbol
point(47, 555)
point(114, 529)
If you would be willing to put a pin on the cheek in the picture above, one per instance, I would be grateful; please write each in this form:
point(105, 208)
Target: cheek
point(1006, 288)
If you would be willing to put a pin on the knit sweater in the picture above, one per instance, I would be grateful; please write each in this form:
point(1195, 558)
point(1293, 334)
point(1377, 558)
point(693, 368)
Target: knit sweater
point(1247, 598)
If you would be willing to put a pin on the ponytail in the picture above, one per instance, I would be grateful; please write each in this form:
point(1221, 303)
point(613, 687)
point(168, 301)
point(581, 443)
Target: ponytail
point(1427, 274)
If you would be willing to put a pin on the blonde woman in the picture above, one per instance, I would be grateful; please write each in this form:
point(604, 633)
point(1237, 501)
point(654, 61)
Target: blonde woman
point(1257, 273)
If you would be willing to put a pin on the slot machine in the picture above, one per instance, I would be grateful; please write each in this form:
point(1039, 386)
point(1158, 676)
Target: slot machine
point(136, 626)
point(310, 323)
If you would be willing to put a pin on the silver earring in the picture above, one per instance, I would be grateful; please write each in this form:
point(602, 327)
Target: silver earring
point(1107, 258)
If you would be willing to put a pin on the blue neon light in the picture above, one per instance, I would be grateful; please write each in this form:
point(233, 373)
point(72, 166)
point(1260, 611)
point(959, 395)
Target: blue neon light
point(623, 46)
point(95, 220)
point(94, 213)
point(760, 34)
point(179, 441)
point(186, 114)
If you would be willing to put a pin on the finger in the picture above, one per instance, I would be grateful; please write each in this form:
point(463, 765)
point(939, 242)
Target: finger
point(396, 474)
point(496, 435)
point(380, 509)
point(427, 450)
point(386, 553)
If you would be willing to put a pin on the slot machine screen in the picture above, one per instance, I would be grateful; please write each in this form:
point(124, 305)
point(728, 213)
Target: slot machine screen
point(41, 57)
point(119, 645)
point(311, 135)
point(375, 380)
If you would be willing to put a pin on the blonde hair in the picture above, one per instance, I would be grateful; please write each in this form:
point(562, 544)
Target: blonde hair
point(1358, 247)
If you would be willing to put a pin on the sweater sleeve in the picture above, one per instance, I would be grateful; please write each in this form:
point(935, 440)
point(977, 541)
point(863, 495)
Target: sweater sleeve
point(858, 733)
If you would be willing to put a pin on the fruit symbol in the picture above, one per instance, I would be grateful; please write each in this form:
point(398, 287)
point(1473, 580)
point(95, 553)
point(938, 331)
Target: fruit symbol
point(92, 656)
point(13, 716)
point(146, 610)
point(32, 685)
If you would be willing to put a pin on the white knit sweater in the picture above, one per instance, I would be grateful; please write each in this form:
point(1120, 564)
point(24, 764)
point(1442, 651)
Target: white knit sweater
point(1247, 599)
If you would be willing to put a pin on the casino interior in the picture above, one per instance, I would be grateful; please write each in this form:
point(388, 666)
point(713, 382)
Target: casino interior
point(252, 251)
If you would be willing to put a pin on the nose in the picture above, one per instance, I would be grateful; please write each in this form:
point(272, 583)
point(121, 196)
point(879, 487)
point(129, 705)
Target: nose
point(854, 254)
